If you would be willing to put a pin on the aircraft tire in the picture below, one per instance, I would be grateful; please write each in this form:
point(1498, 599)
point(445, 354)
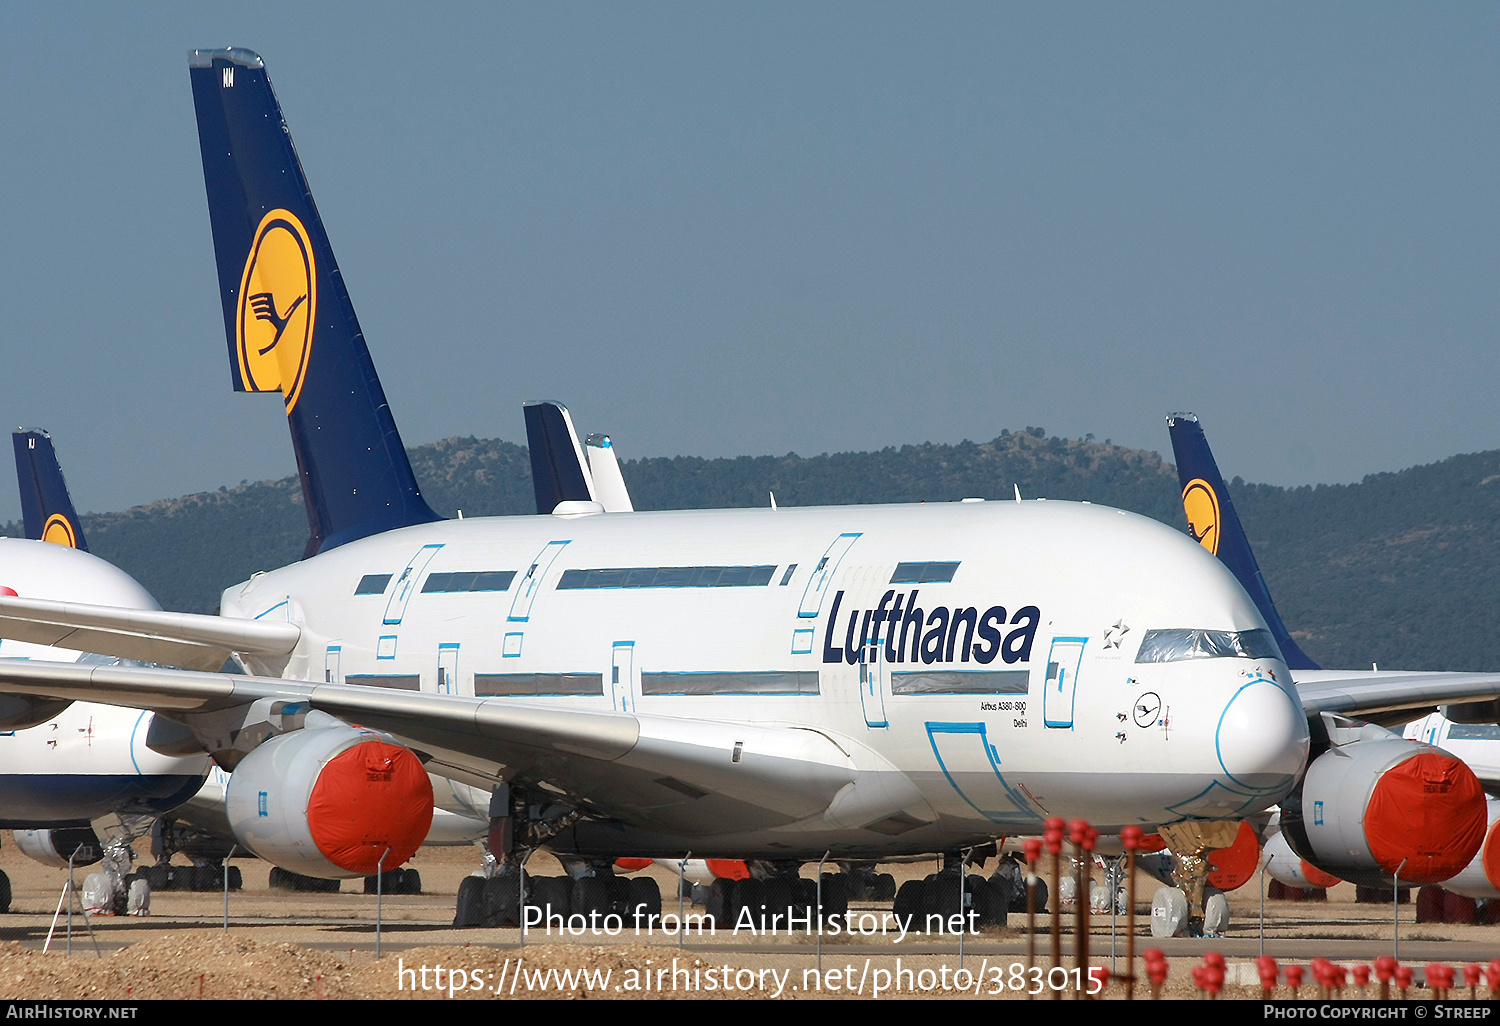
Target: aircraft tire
point(835, 896)
point(468, 910)
point(499, 904)
point(552, 895)
point(909, 902)
point(885, 887)
point(645, 895)
point(1169, 913)
point(4, 893)
point(720, 902)
point(591, 896)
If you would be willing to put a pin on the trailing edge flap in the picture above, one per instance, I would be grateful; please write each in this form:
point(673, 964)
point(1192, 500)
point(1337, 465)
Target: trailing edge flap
point(657, 771)
point(1368, 693)
point(191, 640)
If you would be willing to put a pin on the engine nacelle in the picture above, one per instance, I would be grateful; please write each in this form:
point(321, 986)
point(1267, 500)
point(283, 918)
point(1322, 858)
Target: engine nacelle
point(329, 801)
point(1481, 877)
point(54, 847)
point(1379, 805)
point(1291, 869)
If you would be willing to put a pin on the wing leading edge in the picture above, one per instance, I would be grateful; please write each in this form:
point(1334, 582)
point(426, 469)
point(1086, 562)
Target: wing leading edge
point(663, 773)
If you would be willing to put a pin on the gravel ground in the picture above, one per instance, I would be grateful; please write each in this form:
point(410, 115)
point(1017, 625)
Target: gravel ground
point(293, 946)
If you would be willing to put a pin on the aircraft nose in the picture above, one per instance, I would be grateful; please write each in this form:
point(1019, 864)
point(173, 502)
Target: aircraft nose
point(1262, 737)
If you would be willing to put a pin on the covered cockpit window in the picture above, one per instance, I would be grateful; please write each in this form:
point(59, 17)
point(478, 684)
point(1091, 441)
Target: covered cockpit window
point(1170, 646)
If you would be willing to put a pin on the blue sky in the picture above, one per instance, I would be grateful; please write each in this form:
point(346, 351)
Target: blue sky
point(724, 230)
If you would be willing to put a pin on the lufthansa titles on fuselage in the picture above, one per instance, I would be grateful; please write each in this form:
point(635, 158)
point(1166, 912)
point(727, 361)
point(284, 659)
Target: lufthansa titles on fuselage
point(937, 635)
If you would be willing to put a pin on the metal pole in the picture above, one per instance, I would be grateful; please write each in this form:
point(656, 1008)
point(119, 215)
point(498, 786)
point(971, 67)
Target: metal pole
point(379, 897)
point(820, 917)
point(1130, 923)
point(232, 849)
point(681, 886)
point(1396, 914)
point(1263, 867)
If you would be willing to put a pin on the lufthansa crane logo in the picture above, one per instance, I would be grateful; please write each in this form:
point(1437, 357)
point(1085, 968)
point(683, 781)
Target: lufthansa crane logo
point(278, 308)
point(58, 530)
point(1201, 504)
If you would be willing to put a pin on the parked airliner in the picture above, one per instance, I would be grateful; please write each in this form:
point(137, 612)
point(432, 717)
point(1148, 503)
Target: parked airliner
point(867, 681)
point(1381, 822)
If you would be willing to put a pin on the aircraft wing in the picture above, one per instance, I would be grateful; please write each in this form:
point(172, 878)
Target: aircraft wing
point(190, 640)
point(1373, 695)
point(669, 773)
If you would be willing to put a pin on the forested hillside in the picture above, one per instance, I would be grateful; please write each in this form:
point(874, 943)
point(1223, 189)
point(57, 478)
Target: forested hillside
point(1402, 568)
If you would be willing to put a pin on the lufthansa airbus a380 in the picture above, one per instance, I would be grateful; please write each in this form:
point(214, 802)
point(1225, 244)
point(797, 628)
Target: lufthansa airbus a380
point(777, 684)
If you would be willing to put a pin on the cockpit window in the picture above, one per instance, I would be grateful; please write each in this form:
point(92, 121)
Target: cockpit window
point(1170, 646)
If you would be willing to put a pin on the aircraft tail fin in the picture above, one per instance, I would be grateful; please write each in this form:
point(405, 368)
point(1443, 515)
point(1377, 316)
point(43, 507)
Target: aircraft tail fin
point(559, 469)
point(1213, 522)
point(46, 508)
point(609, 483)
point(290, 325)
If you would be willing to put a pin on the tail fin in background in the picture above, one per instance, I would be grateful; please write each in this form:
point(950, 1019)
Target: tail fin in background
point(559, 470)
point(288, 319)
point(609, 483)
point(1213, 522)
point(46, 509)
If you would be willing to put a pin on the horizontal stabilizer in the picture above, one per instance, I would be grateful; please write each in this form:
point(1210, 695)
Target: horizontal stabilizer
point(190, 640)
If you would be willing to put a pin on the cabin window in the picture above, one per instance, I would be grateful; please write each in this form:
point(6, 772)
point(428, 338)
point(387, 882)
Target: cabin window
point(765, 682)
point(1474, 732)
point(924, 573)
point(1170, 646)
point(521, 685)
point(372, 584)
point(960, 682)
point(469, 580)
point(667, 577)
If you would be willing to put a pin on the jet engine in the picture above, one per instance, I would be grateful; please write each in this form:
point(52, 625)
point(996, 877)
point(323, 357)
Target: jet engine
point(1481, 877)
point(330, 802)
point(1289, 868)
point(54, 847)
point(1377, 806)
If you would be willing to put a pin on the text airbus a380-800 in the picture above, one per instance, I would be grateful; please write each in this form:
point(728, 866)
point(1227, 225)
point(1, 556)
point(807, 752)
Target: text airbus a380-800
point(868, 681)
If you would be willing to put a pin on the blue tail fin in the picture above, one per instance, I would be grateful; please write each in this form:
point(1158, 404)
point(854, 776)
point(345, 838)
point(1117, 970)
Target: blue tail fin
point(46, 509)
point(559, 469)
point(287, 316)
point(1214, 523)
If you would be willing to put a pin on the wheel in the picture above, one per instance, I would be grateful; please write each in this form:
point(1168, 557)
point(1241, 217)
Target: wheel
point(468, 910)
point(909, 901)
point(645, 897)
point(552, 896)
point(835, 896)
point(591, 896)
point(719, 903)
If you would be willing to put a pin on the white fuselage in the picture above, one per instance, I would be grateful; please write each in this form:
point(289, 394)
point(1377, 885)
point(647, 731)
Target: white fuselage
point(1013, 696)
point(88, 759)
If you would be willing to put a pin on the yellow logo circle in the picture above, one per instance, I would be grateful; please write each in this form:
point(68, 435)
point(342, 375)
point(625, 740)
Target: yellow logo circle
point(1202, 507)
point(59, 531)
point(278, 308)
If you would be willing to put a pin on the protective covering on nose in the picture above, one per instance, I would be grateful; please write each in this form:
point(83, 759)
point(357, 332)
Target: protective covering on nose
point(1262, 737)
